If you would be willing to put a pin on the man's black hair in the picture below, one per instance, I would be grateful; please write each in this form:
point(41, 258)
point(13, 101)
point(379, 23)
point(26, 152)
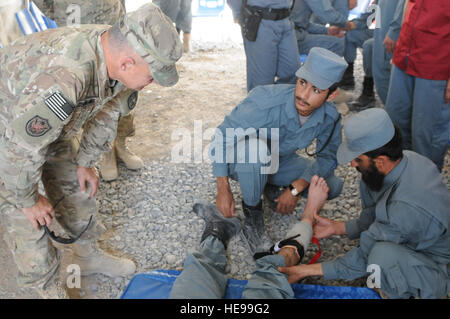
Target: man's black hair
point(332, 88)
point(393, 149)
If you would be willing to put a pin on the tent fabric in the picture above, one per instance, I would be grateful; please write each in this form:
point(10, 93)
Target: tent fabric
point(157, 284)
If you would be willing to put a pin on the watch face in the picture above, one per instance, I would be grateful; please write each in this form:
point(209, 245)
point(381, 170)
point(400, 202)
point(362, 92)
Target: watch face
point(294, 192)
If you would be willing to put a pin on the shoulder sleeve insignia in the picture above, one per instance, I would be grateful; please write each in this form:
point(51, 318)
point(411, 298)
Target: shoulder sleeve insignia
point(59, 106)
point(37, 126)
point(132, 100)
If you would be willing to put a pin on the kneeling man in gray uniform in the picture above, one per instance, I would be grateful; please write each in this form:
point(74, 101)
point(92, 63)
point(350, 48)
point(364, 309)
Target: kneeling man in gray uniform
point(404, 223)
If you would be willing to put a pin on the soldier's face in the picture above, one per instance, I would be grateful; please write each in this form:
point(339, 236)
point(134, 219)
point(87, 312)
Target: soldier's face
point(308, 98)
point(136, 74)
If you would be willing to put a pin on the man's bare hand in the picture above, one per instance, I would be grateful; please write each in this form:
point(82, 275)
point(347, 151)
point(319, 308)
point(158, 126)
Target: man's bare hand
point(88, 175)
point(42, 213)
point(224, 199)
point(299, 272)
point(333, 31)
point(389, 44)
point(447, 92)
point(286, 202)
point(324, 227)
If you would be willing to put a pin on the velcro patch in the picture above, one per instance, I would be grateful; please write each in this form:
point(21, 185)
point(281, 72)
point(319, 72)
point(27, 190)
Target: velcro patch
point(59, 106)
point(37, 126)
point(132, 100)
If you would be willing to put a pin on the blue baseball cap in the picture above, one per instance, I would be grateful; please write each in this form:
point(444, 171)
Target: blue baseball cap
point(322, 68)
point(365, 131)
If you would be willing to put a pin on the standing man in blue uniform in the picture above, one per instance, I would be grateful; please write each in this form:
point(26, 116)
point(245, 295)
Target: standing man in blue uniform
point(291, 117)
point(269, 40)
point(385, 37)
point(310, 34)
point(179, 11)
point(405, 220)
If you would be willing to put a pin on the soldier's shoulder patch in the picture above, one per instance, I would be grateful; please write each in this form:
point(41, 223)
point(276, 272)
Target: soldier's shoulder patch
point(37, 126)
point(59, 105)
point(132, 100)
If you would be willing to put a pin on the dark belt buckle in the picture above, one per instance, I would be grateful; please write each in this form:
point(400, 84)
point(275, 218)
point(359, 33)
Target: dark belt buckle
point(66, 241)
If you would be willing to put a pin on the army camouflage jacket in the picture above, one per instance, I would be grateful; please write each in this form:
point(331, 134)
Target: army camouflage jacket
point(52, 85)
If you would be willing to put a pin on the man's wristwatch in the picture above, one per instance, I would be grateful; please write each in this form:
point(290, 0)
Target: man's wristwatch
point(294, 191)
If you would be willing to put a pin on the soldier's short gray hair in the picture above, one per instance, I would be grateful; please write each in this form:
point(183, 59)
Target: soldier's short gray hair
point(116, 37)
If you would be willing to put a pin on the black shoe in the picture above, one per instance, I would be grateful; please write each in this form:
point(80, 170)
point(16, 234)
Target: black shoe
point(271, 193)
point(254, 231)
point(348, 80)
point(216, 224)
point(367, 97)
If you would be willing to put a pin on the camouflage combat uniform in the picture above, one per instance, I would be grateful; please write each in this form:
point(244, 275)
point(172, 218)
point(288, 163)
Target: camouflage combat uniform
point(91, 12)
point(53, 84)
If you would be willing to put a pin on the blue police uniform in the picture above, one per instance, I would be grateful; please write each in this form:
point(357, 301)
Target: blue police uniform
point(310, 34)
point(339, 5)
point(273, 107)
point(179, 11)
point(355, 39)
point(404, 229)
point(274, 54)
point(389, 24)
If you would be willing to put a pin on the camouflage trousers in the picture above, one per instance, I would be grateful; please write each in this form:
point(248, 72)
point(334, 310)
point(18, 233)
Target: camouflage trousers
point(35, 256)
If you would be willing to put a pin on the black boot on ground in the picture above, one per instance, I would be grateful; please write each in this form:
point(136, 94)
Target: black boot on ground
point(254, 231)
point(367, 97)
point(348, 80)
point(216, 224)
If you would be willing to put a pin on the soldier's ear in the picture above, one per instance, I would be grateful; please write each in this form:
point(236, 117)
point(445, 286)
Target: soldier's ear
point(126, 62)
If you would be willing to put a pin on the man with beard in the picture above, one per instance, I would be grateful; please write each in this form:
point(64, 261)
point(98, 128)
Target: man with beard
point(404, 222)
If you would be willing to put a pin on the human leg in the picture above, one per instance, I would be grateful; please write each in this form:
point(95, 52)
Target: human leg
point(399, 103)
point(203, 273)
point(74, 210)
point(405, 273)
point(288, 56)
point(430, 121)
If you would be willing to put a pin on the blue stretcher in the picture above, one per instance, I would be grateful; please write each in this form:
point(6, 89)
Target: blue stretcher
point(157, 284)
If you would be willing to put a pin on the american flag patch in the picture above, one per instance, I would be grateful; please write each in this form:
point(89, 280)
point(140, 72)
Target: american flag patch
point(59, 106)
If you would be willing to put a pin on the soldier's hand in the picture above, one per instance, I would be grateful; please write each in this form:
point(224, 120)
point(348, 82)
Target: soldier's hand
point(42, 213)
point(286, 202)
point(88, 175)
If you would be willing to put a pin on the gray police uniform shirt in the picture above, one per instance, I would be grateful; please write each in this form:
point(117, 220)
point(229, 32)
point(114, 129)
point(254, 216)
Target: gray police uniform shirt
point(273, 106)
point(412, 210)
point(303, 9)
point(274, 4)
point(52, 84)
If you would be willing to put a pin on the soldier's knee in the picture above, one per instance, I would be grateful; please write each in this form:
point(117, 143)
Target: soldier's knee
point(335, 185)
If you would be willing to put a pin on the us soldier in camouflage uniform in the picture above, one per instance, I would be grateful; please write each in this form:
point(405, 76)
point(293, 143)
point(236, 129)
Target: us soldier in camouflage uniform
point(66, 12)
point(53, 84)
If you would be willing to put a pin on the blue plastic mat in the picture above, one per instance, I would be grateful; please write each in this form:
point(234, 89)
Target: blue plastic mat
point(158, 284)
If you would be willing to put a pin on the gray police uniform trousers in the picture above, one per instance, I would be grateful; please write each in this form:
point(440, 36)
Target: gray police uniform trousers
point(381, 66)
point(273, 54)
point(405, 272)
point(204, 276)
point(355, 39)
point(36, 258)
point(179, 11)
point(418, 108)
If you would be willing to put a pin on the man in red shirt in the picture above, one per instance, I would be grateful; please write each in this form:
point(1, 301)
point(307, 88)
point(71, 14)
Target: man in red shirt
point(419, 93)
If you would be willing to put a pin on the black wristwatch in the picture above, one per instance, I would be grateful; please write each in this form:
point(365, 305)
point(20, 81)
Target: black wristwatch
point(294, 191)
